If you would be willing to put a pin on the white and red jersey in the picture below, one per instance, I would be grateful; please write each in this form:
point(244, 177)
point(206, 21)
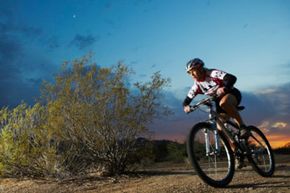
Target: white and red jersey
point(212, 79)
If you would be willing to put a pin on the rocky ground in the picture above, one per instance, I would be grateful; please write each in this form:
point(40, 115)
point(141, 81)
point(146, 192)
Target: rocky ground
point(175, 178)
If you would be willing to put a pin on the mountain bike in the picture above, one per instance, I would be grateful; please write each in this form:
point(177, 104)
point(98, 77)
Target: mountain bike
point(210, 151)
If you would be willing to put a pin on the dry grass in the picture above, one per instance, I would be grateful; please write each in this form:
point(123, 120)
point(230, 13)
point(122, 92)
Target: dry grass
point(158, 178)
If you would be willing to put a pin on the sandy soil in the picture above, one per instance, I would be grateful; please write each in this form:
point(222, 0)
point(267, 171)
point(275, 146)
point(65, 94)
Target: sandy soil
point(158, 179)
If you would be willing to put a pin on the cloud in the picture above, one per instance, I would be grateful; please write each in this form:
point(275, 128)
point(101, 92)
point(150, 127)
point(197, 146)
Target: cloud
point(51, 42)
point(82, 42)
point(280, 125)
point(9, 51)
point(274, 126)
point(27, 34)
point(21, 69)
point(271, 104)
point(286, 66)
point(257, 108)
point(278, 99)
point(176, 126)
point(13, 92)
point(29, 31)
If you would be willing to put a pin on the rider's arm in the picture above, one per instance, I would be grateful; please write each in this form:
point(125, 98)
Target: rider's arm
point(228, 80)
point(194, 90)
point(187, 101)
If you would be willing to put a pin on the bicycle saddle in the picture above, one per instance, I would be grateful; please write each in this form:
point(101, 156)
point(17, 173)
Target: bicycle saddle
point(240, 108)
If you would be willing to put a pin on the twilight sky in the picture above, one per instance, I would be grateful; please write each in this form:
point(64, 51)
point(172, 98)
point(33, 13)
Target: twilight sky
point(249, 39)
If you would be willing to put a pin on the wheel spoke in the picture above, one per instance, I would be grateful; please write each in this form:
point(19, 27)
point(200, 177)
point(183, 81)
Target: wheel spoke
point(217, 163)
point(261, 156)
point(211, 155)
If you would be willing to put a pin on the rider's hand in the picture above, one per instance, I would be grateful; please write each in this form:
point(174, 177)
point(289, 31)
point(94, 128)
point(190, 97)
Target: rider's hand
point(186, 109)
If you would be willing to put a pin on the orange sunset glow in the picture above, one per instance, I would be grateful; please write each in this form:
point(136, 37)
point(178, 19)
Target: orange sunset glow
point(276, 134)
point(278, 140)
point(275, 138)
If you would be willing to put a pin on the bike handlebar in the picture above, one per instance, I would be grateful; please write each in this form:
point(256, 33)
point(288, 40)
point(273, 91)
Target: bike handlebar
point(206, 101)
point(213, 95)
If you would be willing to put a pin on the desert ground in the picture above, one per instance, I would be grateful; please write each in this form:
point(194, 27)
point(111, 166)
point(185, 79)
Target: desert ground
point(159, 178)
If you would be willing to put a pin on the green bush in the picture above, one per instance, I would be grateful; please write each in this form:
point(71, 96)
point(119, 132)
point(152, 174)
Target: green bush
point(91, 117)
point(25, 148)
point(176, 152)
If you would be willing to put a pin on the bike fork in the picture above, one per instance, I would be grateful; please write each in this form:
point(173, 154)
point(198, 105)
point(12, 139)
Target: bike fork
point(207, 145)
point(216, 142)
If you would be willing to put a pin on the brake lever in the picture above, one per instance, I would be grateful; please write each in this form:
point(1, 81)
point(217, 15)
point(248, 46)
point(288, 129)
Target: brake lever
point(192, 108)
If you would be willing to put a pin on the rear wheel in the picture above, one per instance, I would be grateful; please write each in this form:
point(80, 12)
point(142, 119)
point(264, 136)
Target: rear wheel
point(210, 155)
point(260, 153)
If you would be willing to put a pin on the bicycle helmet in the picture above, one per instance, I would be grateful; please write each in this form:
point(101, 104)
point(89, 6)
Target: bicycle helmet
point(194, 63)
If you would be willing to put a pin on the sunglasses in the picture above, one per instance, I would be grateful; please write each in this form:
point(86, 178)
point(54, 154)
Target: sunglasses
point(196, 68)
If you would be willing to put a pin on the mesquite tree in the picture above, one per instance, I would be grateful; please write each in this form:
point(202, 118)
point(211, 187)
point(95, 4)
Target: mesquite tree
point(96, 115)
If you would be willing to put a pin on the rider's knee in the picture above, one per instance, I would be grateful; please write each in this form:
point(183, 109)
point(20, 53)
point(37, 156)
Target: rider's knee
point(224, 105)
point(227, 102)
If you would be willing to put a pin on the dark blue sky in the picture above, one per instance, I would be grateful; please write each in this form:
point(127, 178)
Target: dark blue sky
point(249, 39)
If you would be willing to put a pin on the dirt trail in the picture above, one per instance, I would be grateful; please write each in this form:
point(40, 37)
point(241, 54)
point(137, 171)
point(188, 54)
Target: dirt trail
point(160, 181)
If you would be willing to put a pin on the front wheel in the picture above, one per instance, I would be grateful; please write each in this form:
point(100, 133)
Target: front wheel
point(260, 153)
point(211, 155)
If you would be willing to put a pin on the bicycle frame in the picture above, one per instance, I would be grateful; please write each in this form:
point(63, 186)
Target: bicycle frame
point(216, 119)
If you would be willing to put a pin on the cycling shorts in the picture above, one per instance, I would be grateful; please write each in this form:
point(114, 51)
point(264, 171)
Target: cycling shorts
point(234, 92)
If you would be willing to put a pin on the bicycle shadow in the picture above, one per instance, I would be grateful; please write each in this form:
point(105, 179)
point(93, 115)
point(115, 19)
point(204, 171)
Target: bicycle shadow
point(163, 172)
point(280, 184)
point(279, 181)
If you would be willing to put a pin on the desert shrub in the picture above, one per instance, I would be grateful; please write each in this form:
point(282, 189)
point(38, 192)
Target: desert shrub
point(176, 152)
point(25, 148)
point(160, 150)
point(283, 150)
point(144, 154)
point(98, 116)
point(166, 150)
point(88, 117)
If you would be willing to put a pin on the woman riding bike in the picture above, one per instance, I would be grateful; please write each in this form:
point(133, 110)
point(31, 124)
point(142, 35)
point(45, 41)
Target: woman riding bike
point(229, 96)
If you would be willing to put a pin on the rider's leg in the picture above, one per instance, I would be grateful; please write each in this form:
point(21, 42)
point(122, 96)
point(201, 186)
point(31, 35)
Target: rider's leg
point(239, 158)
point(229, 104)
point(225, 118)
